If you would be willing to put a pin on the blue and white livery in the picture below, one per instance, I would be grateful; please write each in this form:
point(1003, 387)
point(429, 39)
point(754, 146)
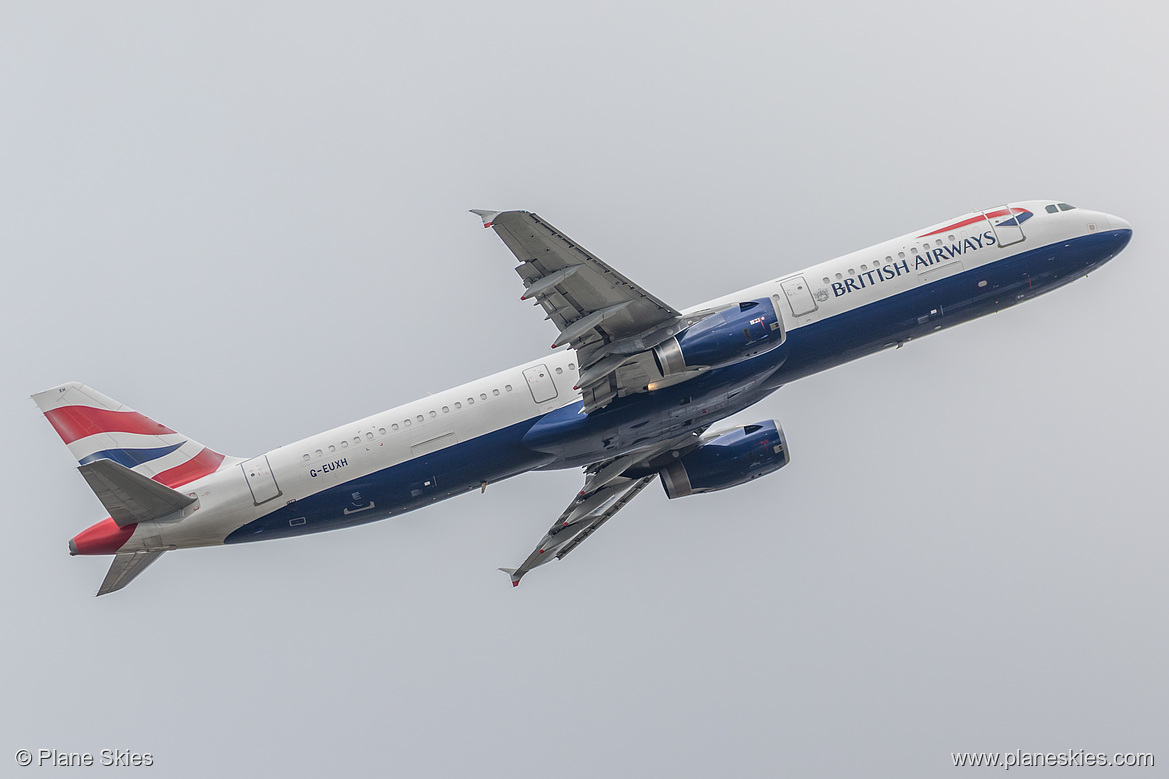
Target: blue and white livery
point(636, 396)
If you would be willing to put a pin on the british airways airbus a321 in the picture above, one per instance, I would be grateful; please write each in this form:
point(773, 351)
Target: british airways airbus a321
point(637, 396)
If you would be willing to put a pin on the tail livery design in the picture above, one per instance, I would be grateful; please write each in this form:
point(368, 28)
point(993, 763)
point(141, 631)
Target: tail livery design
point(133, 464)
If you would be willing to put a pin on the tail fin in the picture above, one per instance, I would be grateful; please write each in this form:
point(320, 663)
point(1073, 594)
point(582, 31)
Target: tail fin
point(96, 427)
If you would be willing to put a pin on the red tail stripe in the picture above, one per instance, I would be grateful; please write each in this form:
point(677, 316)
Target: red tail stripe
point(197, 467)
point(73, 423)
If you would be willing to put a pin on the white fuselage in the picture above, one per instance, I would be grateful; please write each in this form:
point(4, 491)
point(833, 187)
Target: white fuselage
point(359, 458)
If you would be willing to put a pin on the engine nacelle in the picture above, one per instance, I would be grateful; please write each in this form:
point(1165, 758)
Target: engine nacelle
point(752, 328)
point(728, 460)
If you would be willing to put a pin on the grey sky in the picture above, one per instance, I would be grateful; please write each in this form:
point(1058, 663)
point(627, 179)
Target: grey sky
point(250, 223)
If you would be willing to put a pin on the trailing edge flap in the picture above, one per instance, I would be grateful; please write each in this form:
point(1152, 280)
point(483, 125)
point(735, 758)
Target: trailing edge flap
point(129, 496)
point(124, 568)
point(609, 485)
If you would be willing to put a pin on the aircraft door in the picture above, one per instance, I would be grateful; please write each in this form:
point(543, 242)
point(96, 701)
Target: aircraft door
point(1005, 226)
point(799, 297)
point(540, 383)
point(261, 482)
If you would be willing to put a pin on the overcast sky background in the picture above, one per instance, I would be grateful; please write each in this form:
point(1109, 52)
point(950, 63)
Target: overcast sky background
point(250, 222)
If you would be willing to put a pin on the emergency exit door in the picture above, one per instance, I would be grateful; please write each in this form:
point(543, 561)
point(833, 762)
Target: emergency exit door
point(540, 383)
point(799, 297)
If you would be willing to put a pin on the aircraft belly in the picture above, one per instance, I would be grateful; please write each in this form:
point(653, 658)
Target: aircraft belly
point(404, 487)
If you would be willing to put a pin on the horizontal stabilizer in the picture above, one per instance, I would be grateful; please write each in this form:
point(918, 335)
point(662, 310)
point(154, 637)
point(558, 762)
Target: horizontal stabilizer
point(129, 496)
point(125, 568)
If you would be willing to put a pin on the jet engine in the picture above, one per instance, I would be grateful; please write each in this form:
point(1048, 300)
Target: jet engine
point(727, 460)
point(723, 338)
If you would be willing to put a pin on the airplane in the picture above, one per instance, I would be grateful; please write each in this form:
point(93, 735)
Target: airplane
point(638, 394)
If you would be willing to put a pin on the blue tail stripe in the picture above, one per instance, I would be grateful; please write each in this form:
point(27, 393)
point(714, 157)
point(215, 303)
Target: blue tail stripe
point(130, 457)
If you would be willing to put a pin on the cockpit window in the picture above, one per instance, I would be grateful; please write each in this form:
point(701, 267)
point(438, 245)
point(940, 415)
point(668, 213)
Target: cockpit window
point(1052, 210)
point(1065, 207)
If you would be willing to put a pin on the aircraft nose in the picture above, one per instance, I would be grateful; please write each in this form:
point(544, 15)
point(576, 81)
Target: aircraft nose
point(1122, 232)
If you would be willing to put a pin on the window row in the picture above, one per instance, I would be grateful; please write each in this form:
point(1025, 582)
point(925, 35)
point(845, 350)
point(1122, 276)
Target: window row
point(407, 422)
point(925, 247)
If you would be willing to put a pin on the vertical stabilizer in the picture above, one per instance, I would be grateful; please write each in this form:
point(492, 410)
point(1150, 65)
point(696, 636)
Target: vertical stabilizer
point(96, 427)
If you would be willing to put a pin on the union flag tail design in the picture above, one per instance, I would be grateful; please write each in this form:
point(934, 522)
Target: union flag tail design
point(96, 427)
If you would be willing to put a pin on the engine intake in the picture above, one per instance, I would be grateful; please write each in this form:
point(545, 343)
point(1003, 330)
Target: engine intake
point(727, 460)
point(723, 338)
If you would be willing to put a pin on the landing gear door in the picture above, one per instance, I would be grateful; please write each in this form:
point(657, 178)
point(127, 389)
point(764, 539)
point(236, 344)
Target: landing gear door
point(260, 479)
point(1004, 222)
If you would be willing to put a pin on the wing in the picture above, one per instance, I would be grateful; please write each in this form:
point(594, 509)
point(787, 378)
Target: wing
point(605, 317)
point(609, 485)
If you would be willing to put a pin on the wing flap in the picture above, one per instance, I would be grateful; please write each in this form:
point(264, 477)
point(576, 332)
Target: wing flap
point(579, 521)
point(599, 312)
point(609, 486)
